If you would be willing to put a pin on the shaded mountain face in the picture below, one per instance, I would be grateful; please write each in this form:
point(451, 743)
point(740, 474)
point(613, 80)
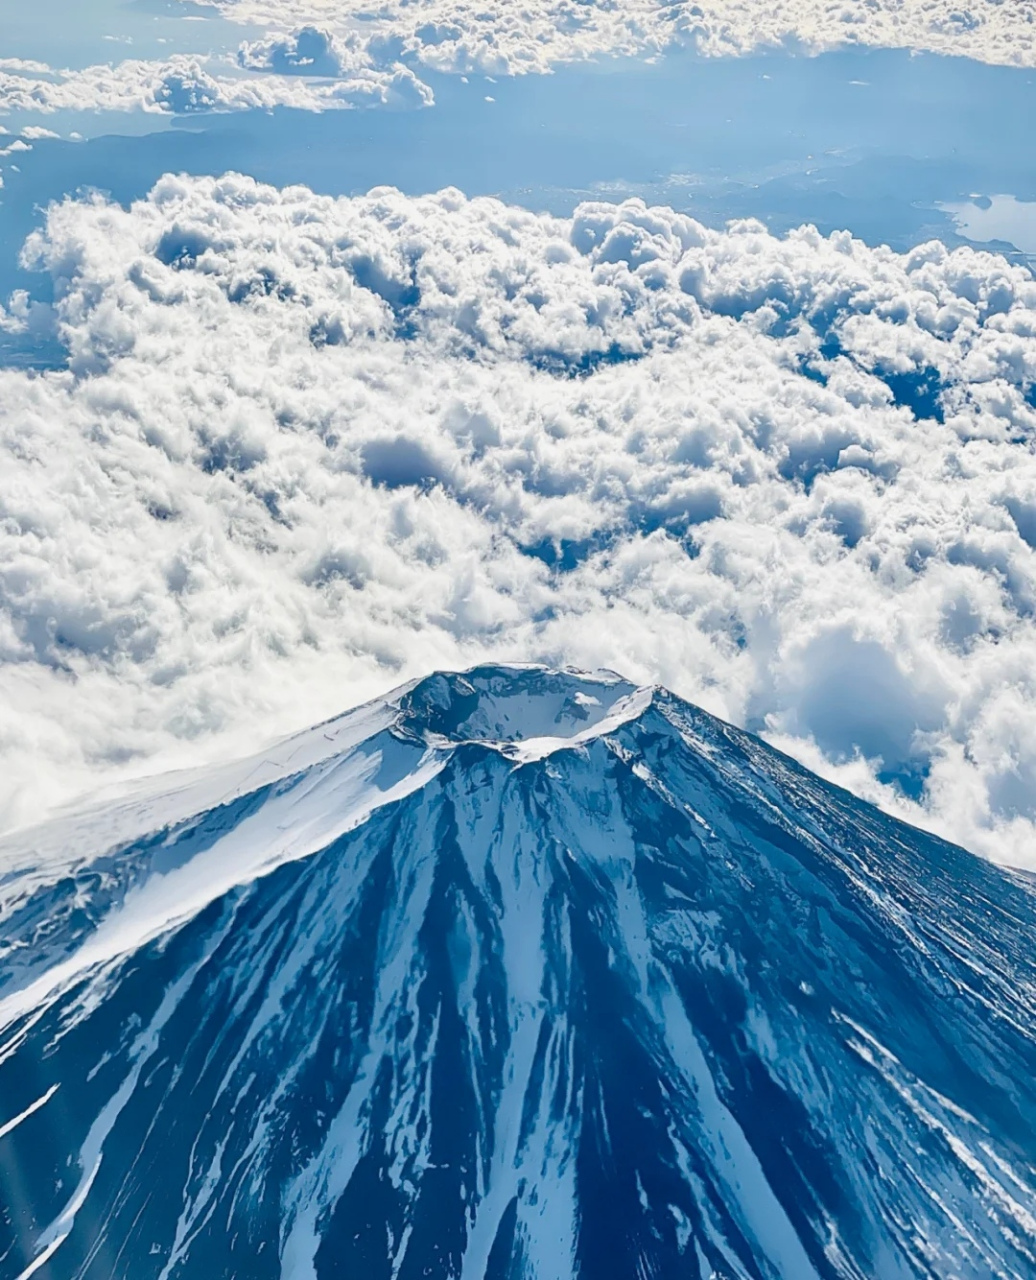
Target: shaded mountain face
point(516, 974)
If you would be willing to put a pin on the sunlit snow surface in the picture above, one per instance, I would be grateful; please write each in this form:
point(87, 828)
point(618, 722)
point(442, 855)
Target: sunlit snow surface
point(514, 974)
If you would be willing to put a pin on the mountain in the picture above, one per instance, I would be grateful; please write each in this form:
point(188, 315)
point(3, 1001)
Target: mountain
point(513, 974)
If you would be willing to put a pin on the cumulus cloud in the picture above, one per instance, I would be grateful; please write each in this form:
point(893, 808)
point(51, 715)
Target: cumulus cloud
point(320, 54)
point(306, 52)
point(307, 447)
point(498, 37)
point(23, 64)
point(184, 84)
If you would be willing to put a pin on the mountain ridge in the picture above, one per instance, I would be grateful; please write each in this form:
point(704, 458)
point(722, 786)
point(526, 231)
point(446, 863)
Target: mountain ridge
point(461, 996)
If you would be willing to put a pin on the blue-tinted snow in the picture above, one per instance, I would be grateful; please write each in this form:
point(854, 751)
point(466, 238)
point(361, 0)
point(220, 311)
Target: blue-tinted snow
point(645, 999)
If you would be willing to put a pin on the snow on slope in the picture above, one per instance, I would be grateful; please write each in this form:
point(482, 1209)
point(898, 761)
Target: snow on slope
point(519, 973)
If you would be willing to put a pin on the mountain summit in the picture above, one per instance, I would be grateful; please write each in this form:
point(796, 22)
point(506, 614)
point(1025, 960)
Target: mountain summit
point(518, 974)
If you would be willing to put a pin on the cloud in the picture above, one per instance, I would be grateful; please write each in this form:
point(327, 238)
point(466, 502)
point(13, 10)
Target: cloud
point(317, 55)
point(307, 447)
point(306, 52)
point(185, 84)
point(500, 38)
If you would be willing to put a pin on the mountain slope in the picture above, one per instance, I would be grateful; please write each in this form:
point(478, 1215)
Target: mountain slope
point(514, 974)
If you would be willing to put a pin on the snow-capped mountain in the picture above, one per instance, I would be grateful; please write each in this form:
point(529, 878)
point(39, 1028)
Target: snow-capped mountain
point(514, 975)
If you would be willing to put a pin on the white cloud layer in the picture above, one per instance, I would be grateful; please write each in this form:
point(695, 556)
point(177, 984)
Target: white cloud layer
point(322, 54)
point(499, 37)
point(183, 84)
point(308, 447)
